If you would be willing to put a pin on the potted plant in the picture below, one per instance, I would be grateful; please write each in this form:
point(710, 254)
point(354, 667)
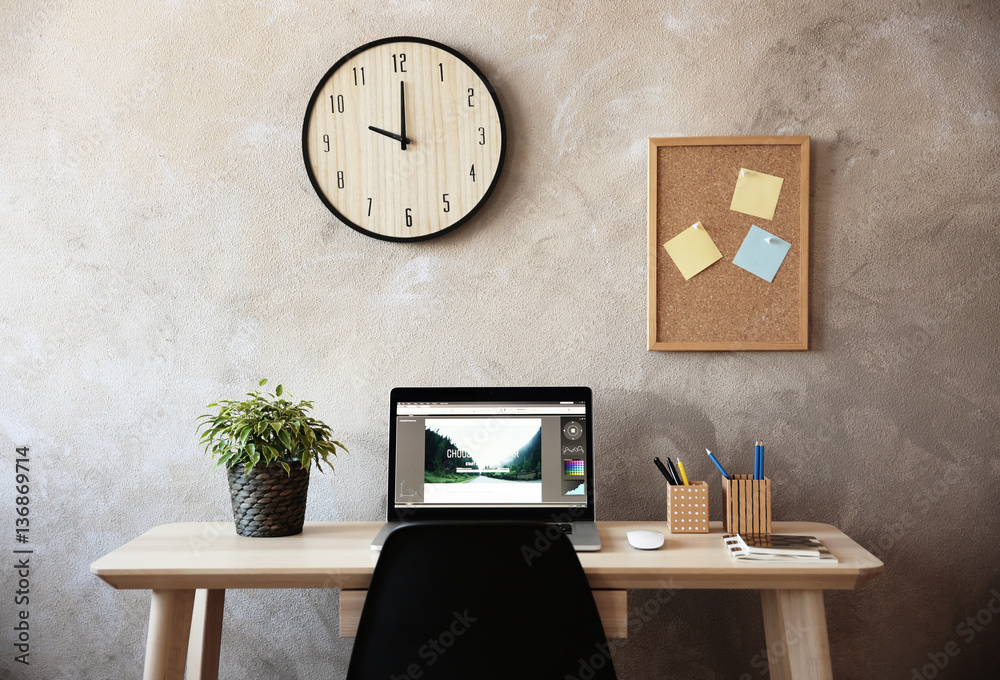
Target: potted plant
point(268, 445)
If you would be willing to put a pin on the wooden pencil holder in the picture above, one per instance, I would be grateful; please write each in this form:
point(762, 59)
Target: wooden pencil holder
point(687, 508)
point(746, 505)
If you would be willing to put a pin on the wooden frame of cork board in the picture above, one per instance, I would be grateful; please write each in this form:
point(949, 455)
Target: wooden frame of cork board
point(692, 179)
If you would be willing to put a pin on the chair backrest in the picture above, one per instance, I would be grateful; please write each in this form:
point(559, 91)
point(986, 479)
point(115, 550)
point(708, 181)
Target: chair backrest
point(481, 601)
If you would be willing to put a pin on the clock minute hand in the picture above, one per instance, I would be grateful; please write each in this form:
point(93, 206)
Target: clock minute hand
point(402, 117)
point(390, 135)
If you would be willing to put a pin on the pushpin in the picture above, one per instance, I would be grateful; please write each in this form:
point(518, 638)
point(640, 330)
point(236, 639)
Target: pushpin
point(769, 239)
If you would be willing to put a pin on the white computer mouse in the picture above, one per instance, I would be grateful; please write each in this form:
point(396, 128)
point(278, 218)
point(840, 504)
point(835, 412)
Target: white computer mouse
point(644, 539)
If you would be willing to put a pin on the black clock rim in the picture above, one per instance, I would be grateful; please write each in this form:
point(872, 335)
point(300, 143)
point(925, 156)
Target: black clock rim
point(305, 138)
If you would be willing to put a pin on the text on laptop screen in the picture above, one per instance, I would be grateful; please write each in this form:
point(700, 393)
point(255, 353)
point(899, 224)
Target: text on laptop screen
point(490, 454)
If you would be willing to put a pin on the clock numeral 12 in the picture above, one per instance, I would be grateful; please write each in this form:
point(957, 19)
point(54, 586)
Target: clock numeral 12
point(447, 204)
point(337, 106)
point(409, 218)
point(399, 66)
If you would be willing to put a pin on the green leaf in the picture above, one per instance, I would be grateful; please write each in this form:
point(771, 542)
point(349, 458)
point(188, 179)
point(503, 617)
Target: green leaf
point(285, 439)
point(263, 429)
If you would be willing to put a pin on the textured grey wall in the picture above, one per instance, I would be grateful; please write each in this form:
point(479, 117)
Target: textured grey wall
point(162, 247)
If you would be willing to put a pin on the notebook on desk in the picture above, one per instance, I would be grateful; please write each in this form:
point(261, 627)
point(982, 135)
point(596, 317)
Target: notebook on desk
point(492, 454)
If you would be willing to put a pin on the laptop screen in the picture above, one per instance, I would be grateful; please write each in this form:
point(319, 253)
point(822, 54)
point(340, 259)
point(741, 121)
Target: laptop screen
point(491, 453)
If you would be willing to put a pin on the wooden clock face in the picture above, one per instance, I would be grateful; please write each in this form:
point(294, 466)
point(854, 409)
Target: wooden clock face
point(403, 139)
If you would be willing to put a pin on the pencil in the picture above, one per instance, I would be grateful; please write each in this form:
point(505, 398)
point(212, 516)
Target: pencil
point(684, 477)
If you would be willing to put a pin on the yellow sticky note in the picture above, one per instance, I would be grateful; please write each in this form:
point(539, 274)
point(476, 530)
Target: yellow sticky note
point(692, 250)
point(756, 194)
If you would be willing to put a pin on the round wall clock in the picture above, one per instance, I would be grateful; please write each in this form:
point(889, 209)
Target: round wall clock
point(403, 139)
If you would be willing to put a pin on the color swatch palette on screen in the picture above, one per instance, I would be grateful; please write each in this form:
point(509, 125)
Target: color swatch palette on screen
point(573, 467)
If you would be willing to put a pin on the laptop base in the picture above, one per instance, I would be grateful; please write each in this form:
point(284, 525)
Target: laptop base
point(583, 535)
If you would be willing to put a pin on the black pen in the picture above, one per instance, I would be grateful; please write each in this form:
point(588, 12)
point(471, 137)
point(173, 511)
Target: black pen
point(666, 473)
point(673, 471)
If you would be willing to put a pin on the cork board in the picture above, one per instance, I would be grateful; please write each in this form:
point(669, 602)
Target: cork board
point(724, 307)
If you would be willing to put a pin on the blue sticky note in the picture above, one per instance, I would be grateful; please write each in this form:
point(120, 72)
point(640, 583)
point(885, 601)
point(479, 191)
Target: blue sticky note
point(761, 256)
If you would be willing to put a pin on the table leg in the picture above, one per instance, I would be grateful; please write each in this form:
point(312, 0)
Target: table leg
point(795, 627)
point(167, 640)
point(206, 635)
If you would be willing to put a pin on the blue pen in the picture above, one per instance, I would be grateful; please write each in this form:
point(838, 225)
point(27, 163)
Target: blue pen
point(718, 465)
point(756, 460)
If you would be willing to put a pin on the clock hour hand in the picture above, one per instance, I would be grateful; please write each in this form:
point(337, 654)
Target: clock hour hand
point(391, 135)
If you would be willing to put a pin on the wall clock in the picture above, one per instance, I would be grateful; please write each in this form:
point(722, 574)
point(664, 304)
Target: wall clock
point(403, 139)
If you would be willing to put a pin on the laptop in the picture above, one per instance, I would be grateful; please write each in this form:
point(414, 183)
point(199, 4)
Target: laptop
point(493, 454)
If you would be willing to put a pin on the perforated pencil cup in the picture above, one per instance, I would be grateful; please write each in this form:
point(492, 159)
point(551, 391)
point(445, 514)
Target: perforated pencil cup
point(746, 505)
point(687, 508)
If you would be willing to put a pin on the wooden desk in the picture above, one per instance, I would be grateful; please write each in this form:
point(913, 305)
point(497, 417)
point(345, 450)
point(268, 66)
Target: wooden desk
point(188, 566)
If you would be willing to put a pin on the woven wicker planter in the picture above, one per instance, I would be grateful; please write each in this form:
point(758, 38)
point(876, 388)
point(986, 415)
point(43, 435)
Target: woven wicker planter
point(268, 502)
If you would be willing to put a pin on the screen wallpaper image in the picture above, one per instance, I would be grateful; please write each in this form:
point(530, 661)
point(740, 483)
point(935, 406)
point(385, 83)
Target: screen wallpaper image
point(499, 458)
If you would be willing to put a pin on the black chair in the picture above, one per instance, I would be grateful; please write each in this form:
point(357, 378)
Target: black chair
point(474, 602)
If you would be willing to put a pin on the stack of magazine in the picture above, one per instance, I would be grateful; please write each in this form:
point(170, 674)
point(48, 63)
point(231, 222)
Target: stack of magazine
point(777, 548)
